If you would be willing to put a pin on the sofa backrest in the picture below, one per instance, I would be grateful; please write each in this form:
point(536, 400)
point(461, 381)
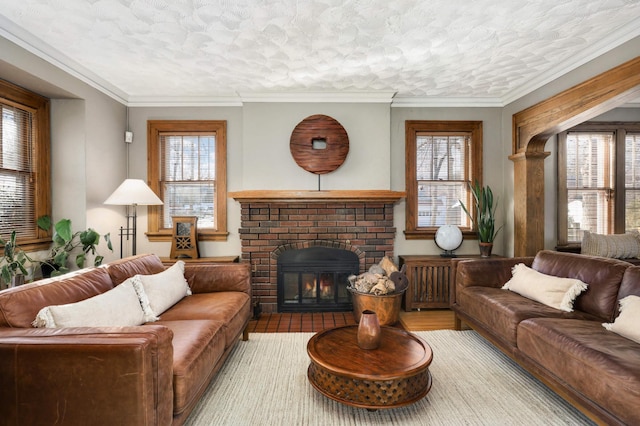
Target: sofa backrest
point(630, 284)
point(143, 264)
point(602, 275)
point(20, 305)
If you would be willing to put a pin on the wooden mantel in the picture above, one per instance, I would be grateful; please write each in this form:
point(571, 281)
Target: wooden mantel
point(271, 196)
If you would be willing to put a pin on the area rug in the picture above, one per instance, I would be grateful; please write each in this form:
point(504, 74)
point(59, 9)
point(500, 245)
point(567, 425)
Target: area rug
point(264, 382)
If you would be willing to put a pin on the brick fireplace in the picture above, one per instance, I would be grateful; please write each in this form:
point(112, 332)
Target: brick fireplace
point(276, 221)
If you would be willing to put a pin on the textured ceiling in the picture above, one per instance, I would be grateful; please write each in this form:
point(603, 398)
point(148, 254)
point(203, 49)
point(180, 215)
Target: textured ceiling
point(491, 50)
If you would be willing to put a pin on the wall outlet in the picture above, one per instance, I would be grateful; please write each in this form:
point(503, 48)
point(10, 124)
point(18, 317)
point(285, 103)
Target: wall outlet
point(128, 137)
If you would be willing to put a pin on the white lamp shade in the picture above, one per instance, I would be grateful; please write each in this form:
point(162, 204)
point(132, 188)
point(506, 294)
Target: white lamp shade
point(133, 192)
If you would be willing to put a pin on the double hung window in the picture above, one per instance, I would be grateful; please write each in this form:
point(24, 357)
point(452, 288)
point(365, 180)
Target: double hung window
point(24, 165)
point(442, 158)
point(599, 180)
point(188, 169)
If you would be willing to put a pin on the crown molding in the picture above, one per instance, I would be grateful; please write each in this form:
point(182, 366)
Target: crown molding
point(320, 97)
point(185, 101)
point(606, 44)
point(44, 51)
point(441, 102)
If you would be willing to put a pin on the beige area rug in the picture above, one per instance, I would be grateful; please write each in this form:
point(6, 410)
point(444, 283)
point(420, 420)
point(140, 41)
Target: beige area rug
point(264, 382)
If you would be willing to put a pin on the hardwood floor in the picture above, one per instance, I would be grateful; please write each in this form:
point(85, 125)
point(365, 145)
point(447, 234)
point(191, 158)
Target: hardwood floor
point(426, 320)
point(436, 319)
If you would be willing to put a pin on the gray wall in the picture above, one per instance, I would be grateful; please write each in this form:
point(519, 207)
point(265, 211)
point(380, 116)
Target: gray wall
point(87, 143)
point(89, 153)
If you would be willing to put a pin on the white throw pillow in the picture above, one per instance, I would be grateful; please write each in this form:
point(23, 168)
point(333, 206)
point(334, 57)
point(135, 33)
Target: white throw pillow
point(165, 289)
point(617, 246)
point(117, 307)
point(628, 322)
point(556, 292)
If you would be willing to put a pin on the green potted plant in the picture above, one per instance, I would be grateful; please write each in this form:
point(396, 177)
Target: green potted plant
point(13, 262)
point(484, 219)
point(65, 241)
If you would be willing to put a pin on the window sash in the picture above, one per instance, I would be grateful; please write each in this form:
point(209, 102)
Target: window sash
point(598, 182)
point(589, 183)
point(632, 181)
point(188, 164)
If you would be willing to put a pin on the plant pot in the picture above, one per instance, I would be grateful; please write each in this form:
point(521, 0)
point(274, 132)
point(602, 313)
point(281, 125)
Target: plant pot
point(47, 269)
point(485, 249)
point(17, 280)
point(386, 306)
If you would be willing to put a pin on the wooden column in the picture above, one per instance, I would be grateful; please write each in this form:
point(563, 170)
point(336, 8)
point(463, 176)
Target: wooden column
point(532, 128)
point(528, 200)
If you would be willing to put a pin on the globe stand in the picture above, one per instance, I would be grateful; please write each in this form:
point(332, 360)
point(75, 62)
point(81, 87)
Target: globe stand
point(448, 253)
point(449, 239)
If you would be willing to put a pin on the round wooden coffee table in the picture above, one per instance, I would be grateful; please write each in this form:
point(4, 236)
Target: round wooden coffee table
point(395, 374)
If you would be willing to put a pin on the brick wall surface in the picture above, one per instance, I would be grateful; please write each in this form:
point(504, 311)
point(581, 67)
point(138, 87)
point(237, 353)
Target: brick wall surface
point(267, 229)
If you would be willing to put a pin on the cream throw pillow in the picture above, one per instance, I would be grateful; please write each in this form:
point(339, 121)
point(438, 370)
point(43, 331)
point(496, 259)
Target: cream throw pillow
point(556, 292)
point(628, 322)
point(165, 289)
point(618, 246)
point(117, 307)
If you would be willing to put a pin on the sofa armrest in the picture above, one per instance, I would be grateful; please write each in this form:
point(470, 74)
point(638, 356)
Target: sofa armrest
point(99, 376)
point(212, 277)
point(487, 272)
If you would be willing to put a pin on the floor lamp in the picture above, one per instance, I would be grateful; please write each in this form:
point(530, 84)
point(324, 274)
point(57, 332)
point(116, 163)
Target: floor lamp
point(132, 193)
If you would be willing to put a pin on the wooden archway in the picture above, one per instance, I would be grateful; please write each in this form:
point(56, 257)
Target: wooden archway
point(532, 128)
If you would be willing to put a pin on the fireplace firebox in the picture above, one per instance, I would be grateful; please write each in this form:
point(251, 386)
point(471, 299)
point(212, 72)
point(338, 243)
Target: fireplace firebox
point(315, 279)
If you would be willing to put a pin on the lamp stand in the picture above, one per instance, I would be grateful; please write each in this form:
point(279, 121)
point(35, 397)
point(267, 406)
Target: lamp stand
point(130, 230)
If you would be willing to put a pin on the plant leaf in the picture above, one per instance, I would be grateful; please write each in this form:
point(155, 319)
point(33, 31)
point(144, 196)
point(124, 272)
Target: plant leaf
point(80, 259)
point(44, 222)
point(63, 229)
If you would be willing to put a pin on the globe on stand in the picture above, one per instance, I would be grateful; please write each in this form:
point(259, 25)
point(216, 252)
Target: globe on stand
point(448, 238)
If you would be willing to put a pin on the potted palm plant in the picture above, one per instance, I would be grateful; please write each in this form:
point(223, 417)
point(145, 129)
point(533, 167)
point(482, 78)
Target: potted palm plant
point(484, 219)
point(13, 261)
point(65, 241)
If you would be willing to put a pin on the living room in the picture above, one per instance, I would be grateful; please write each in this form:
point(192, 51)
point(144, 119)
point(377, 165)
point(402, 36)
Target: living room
point(90, 115)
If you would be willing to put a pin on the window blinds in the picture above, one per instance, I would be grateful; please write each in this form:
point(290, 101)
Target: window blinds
point(442, 163)
point(188, 170)
point(17, 183)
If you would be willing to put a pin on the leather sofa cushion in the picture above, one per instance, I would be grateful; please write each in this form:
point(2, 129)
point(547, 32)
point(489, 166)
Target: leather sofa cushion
point(500, 311)
point(229, 307)
point(630, 284)
point(603, 365)
point(602, 275)
point(143, 264)
point(20, 305)
point(197, 346)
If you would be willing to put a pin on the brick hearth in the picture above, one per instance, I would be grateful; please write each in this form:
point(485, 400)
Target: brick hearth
point(270, 227)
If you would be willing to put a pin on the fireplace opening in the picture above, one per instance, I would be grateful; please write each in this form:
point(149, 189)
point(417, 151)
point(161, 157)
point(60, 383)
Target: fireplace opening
point(315, 279)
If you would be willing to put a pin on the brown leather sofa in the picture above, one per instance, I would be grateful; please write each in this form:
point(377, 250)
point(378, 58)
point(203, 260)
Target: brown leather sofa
point(596, 370)
point(152, 374)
